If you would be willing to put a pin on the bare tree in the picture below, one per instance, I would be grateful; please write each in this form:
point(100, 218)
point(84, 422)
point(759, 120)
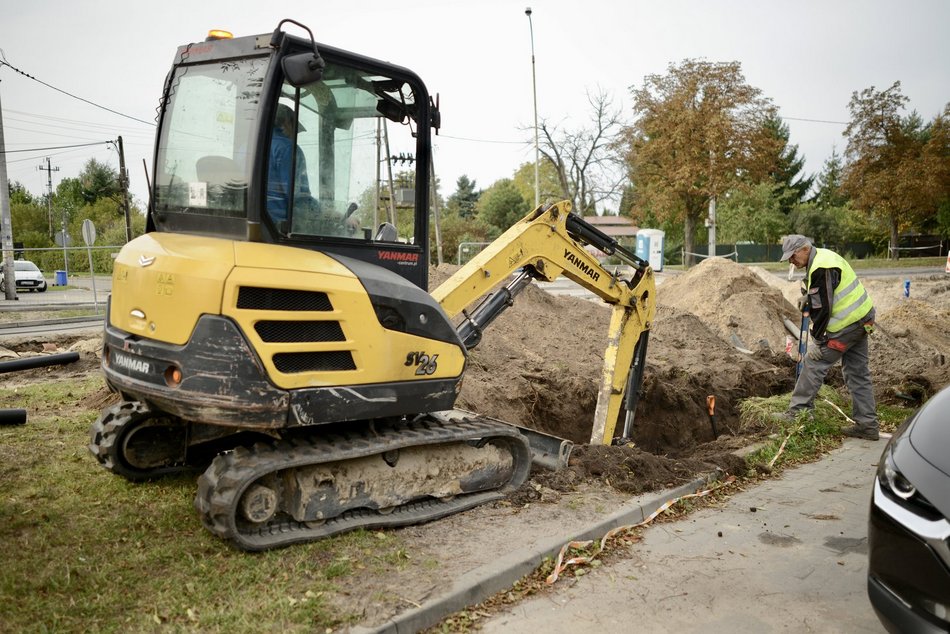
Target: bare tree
point(589, 168)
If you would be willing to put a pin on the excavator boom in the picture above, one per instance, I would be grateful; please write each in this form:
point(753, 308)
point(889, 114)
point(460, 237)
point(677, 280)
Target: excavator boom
point(545, 244)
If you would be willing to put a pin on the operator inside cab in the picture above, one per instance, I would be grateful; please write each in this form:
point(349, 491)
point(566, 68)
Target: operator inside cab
point(287, 169)
point(289, 197)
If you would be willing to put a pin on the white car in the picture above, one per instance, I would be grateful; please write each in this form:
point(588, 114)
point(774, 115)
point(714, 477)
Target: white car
point(28, 277)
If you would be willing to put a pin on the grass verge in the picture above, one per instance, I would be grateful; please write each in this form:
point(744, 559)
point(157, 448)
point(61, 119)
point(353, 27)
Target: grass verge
point(85, 550)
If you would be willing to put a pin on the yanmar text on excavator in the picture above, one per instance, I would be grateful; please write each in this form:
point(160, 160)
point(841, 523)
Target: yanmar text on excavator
point(273, 326)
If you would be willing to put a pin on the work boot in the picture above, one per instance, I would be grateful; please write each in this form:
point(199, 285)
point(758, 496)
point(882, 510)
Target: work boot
point(857, 432)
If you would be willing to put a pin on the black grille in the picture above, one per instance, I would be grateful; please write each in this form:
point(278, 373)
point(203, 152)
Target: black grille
point(253, 298)
point(293, 362)
point(299, 331)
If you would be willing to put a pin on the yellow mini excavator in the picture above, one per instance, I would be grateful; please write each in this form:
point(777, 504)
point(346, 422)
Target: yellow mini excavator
point(272, 325)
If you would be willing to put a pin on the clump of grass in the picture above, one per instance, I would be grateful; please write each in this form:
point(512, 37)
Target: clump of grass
point(805, 438)
point(890, 417)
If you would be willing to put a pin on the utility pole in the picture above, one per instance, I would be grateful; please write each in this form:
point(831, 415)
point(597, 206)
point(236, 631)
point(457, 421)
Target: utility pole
point(389, 171)
point(435, 209)
point(124, 184)
point(534, 91)
point(6, 222)
point(711, 223)
point(49, 169)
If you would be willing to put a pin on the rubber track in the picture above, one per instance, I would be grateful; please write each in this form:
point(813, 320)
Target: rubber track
point(220, 487)
point(107, 430)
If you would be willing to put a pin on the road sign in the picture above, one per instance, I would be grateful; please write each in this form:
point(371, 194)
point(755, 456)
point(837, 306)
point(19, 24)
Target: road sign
point(59, 239)
point(88, 232)
point(89, 237)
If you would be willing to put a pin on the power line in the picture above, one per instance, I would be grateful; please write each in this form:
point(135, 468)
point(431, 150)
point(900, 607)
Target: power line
point(55, 147)
point(108, 126)
point(55, 129)
point(461, 138)
point(60, 138)
point(816, 120)
point(3, 62)
point(33, 158)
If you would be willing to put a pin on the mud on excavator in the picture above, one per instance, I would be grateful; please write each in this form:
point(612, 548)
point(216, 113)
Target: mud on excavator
point(272, 325)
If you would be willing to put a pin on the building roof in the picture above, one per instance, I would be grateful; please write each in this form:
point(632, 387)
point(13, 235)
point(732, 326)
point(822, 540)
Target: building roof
point(609, 220)
point(614, 226)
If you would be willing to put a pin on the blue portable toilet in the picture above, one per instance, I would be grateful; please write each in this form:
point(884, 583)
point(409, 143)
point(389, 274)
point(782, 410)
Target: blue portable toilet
point(651, 246)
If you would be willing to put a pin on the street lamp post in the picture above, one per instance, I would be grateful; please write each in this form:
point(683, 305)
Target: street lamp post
point(534, 90)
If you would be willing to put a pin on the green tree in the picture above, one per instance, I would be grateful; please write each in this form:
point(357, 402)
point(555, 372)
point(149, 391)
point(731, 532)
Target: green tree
point(700, 131)
point(891, 174)
point(548, 184)
point(937, 156)
point(18, 193)
point(752, 214)
point(98, 181)
point(829, 191)
point(30, 223)
point(456, 230)
point(501, 205)
point(787, 172)
point(462, 202)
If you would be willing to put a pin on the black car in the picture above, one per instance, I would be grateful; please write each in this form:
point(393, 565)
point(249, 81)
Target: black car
point(909, 528)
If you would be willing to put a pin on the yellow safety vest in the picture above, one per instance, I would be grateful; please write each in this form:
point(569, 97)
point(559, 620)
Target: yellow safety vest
point(850, 303)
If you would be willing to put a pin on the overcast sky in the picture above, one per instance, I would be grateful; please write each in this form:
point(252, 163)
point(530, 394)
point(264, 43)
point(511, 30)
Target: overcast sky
point(807, 56)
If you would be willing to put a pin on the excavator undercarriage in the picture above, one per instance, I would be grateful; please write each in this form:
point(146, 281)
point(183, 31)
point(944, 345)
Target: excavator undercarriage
point(264, 492)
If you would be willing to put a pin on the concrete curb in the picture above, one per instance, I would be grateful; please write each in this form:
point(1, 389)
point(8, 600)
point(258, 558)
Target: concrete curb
point(479, 584)
point(11, 325)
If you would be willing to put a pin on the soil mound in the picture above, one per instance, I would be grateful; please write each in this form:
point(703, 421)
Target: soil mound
point(540, 362)
point(734, 301)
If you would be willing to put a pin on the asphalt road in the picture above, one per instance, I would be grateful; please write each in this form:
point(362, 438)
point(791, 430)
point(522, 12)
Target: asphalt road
point(788, 554)
point(78, 294)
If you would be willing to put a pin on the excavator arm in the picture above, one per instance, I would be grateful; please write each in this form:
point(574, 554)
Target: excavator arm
point(545, 244)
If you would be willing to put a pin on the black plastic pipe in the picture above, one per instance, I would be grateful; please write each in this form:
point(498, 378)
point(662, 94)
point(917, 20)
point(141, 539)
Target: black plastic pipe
point(28, 363)
point(12, 416)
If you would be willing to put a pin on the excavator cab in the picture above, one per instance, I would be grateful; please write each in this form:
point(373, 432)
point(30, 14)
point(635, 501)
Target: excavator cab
point(273, 139)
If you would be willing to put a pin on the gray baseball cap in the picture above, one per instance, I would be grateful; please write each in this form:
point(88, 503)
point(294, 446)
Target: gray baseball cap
point(792, 243)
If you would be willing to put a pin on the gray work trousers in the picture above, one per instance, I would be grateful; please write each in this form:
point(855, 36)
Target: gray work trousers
point(857, 376)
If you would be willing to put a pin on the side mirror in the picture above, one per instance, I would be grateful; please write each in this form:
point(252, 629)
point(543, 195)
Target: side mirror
point(303, 68)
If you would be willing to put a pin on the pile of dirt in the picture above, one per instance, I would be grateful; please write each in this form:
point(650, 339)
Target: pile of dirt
point(539, 365)
point(720, 330)
point(37, 347)
point(734, 302)
point(540, 362)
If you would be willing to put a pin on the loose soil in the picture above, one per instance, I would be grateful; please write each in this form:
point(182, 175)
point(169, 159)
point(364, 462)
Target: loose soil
point(720, 330)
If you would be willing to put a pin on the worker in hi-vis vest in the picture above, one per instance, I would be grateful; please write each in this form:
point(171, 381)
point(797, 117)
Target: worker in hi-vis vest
point(842, 318)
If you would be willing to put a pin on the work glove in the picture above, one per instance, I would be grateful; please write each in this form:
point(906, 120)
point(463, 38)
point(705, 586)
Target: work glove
point(803, 303)
point(814, 352)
